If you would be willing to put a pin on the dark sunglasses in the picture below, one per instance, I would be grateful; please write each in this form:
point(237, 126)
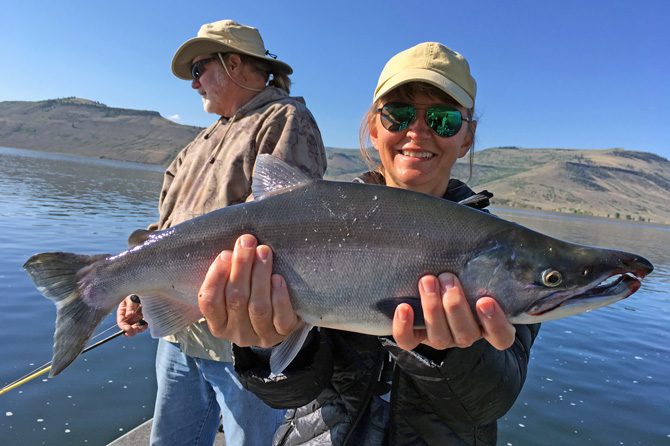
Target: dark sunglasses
point(199, 67)
point(444, 120)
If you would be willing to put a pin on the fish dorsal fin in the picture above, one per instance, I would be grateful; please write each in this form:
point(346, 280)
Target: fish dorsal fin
point(272, 175)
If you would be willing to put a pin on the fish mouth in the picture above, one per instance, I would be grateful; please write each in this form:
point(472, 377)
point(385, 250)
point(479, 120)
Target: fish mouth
point(613, 288)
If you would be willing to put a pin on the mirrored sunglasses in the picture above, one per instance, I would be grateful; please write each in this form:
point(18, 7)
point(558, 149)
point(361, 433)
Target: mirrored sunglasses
point(445, 121)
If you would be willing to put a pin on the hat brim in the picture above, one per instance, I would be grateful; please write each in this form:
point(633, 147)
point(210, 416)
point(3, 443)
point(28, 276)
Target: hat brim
point(430, 77)
point(183, 58)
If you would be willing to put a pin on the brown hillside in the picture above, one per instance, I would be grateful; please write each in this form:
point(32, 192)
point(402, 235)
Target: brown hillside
point(615, 183)
point(81, 127)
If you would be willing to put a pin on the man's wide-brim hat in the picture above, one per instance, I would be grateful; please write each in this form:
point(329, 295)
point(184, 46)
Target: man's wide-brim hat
point(224, 36)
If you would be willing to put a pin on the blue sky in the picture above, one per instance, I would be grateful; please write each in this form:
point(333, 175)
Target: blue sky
point(587, 74)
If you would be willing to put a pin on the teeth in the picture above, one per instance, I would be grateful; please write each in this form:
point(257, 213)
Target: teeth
point(417, 154)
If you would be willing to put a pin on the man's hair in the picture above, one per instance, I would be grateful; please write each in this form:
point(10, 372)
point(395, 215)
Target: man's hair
point(266, 69)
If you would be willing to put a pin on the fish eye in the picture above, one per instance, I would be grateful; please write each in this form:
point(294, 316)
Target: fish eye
point(551, 278)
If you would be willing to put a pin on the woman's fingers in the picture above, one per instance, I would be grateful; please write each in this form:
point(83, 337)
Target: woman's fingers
point(449, 320)
point(260, 299)
point(243, 302)
point(238, 290)
point(241, 299)
point(211, 298)
point(283, 317)
point(462, 323)
point(495, 327)
point(438, 333)
point(404, 333)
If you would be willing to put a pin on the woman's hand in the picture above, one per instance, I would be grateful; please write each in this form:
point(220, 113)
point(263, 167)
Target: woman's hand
point(128, 315)
point(241, 299)
point(244, 303)
point(449, 319)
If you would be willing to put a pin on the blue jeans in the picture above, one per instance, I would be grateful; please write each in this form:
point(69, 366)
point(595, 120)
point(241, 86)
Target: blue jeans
point(187, 412)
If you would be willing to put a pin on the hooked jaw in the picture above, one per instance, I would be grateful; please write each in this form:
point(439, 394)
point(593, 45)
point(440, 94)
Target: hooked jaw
point(616, 286)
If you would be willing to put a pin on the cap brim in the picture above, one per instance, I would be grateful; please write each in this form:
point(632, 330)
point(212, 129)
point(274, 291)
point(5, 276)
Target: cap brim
point(198, 46)
point(430, 77)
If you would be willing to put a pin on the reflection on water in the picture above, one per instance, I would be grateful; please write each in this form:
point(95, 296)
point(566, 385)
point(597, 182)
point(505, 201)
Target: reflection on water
point(55, 202)
point(56, 185)
point(598, 378)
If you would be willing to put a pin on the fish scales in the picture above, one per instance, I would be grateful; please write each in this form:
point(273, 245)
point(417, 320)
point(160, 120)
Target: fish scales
point(357, 246)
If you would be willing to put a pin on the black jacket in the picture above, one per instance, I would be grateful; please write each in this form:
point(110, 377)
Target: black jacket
point(448, 397)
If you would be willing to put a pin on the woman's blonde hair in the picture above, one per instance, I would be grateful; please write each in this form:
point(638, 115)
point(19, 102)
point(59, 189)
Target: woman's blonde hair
point(406, 92)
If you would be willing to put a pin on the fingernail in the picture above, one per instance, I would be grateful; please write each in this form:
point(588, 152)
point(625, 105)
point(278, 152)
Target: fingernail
point(428, 284)
point(402, 313)
point(226, 256)
point(446, 281)
point(263, 252)
point(487, 309)
point(277, 282)
point(247, 241)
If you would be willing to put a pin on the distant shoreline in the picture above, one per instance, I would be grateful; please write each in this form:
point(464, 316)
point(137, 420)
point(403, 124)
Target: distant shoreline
point(334, 173)
point(569, 216)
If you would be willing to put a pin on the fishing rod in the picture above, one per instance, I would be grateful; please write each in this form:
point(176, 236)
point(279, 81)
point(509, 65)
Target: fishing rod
point(47, 366)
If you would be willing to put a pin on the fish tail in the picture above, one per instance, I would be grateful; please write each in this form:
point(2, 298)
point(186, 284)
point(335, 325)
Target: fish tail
point(62, 277)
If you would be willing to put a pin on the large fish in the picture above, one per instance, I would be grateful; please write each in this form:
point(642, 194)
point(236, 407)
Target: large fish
point(350, 253)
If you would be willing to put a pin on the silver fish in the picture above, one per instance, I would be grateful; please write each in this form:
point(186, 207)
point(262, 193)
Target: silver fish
point(350, 253)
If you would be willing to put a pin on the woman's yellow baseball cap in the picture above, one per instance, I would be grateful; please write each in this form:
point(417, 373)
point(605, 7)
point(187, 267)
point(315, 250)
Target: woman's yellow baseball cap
point(435, 64)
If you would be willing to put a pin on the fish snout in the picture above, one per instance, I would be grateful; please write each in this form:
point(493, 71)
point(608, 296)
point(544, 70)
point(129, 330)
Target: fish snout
point(633, 264)
point(644, 267)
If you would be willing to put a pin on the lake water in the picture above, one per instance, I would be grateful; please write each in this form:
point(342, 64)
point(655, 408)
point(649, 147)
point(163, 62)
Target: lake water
point(600, 378)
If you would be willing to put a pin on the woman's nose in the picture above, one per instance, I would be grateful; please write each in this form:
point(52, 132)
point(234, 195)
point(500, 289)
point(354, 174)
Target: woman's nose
point(418, 127)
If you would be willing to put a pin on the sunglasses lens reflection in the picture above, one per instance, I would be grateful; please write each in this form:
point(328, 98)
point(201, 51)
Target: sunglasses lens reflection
point(396, 116)
point(199, 67)
point(445, 121)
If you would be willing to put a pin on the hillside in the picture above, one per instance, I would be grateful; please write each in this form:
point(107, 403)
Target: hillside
point(613, 183)
point(81, 127)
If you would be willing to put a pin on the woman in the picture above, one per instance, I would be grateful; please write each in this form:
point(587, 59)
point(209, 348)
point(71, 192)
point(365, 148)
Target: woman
point(446, 384)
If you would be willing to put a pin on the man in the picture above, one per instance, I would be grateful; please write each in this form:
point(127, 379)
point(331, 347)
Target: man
point(249, 89)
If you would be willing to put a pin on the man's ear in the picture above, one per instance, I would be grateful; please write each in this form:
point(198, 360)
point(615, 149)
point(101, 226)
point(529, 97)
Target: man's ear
point(234, 62)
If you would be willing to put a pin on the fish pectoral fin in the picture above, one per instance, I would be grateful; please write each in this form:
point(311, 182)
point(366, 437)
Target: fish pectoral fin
point(284, 353)
point(167, 314)
point(387, 308)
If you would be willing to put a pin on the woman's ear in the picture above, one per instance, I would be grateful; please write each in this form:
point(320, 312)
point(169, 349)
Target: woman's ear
point(373, 132)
